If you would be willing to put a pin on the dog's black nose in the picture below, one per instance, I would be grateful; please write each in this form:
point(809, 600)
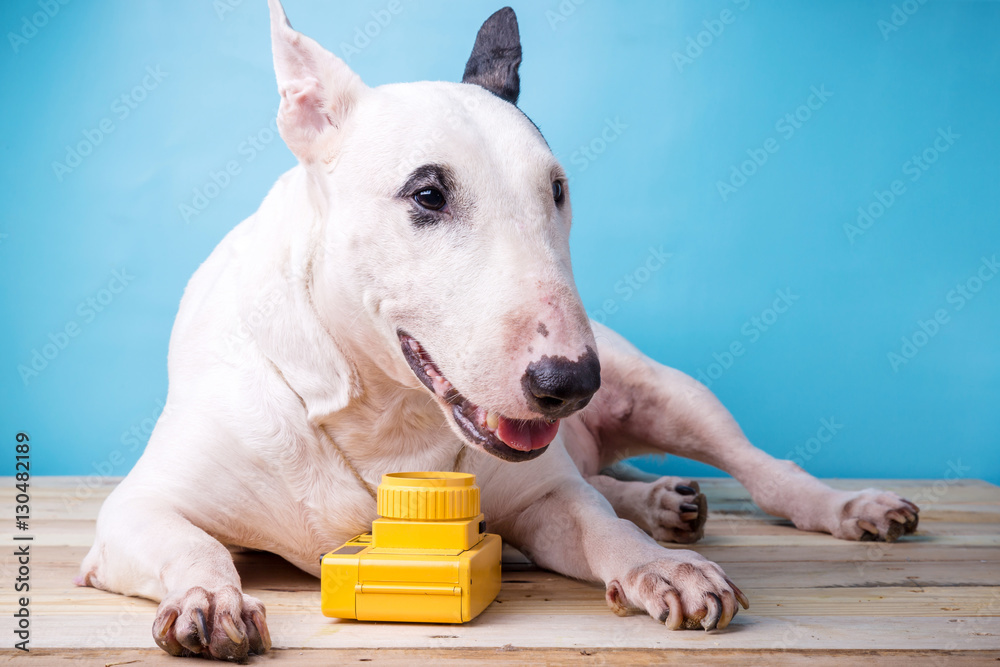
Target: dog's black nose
point(557, 387)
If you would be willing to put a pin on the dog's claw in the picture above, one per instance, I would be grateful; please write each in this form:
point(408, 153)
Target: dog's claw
point(673, 615)
point(163, 636)
point(676, 617)
point(729, 610)
point(231, 630)
point(254, 641)
point(202, 627)
point(162, 626)
point(711, 619)
point(897, 515)
point(684, 490)
point(867, 527)
point(744, 602)
point(260, 625)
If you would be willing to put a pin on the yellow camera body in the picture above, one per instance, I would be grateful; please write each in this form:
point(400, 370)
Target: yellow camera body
point(426, 560)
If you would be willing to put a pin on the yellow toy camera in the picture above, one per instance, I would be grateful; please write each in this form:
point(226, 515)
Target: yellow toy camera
point(427, 558)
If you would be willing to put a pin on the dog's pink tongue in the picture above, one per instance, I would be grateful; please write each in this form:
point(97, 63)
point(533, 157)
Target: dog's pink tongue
point(527, 435)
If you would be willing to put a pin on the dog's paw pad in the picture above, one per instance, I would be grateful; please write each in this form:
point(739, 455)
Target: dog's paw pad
point(222, 623)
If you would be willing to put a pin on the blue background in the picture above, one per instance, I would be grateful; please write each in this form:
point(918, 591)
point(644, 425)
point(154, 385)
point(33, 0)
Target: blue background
point(681, 128)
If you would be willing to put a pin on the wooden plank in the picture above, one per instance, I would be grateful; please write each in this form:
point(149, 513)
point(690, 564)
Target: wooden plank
point(81, 497)
point(268, 572)
point(949, 602)
point(723, 526)
point(553, 657)
point(776, 579)
point(129, 628)
point(797, 538)
point(559, 598)
point(857, 553)
point(62, 558)
point(742, 533)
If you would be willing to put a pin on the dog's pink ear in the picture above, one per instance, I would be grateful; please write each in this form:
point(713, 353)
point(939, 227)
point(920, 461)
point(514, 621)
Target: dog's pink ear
point(317, 90)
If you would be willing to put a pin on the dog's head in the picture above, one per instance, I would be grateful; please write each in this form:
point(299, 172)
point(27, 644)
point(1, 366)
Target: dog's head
point(447, 229)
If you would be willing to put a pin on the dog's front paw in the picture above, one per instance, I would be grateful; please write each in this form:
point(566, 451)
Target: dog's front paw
point(676, 510)
point(873, 514)
point(223, 624)
point(684, 591)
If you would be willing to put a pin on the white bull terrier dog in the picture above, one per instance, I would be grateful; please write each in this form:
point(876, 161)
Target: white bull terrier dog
point(403, 300)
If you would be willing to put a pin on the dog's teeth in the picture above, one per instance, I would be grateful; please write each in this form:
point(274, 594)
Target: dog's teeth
point(441, 386)
point(492, 420)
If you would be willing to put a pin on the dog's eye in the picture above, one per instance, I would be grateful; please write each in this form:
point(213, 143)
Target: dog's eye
point(558, 193)
point(430, 198)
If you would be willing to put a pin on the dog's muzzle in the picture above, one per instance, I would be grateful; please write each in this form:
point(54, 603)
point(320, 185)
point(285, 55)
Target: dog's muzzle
point(508, 439)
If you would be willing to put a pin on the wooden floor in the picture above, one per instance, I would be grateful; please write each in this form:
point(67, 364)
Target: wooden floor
point(932, 599)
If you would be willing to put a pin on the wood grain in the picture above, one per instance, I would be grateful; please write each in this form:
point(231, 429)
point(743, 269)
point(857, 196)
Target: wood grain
point(931, 599)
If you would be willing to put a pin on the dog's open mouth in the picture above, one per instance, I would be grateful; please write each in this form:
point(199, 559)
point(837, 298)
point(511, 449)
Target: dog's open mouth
point(508, 439)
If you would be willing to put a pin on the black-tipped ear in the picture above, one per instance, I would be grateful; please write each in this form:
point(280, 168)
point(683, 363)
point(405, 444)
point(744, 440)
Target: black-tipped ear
point(496, 56)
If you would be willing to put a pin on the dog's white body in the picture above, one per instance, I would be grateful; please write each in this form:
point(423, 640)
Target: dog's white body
point(287, 377)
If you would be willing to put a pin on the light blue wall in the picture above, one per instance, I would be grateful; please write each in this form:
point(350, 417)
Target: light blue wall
point(675, 130)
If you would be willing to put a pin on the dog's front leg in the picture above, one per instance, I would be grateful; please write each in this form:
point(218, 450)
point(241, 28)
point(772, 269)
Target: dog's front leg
point(146, 548)
point(565, 525)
